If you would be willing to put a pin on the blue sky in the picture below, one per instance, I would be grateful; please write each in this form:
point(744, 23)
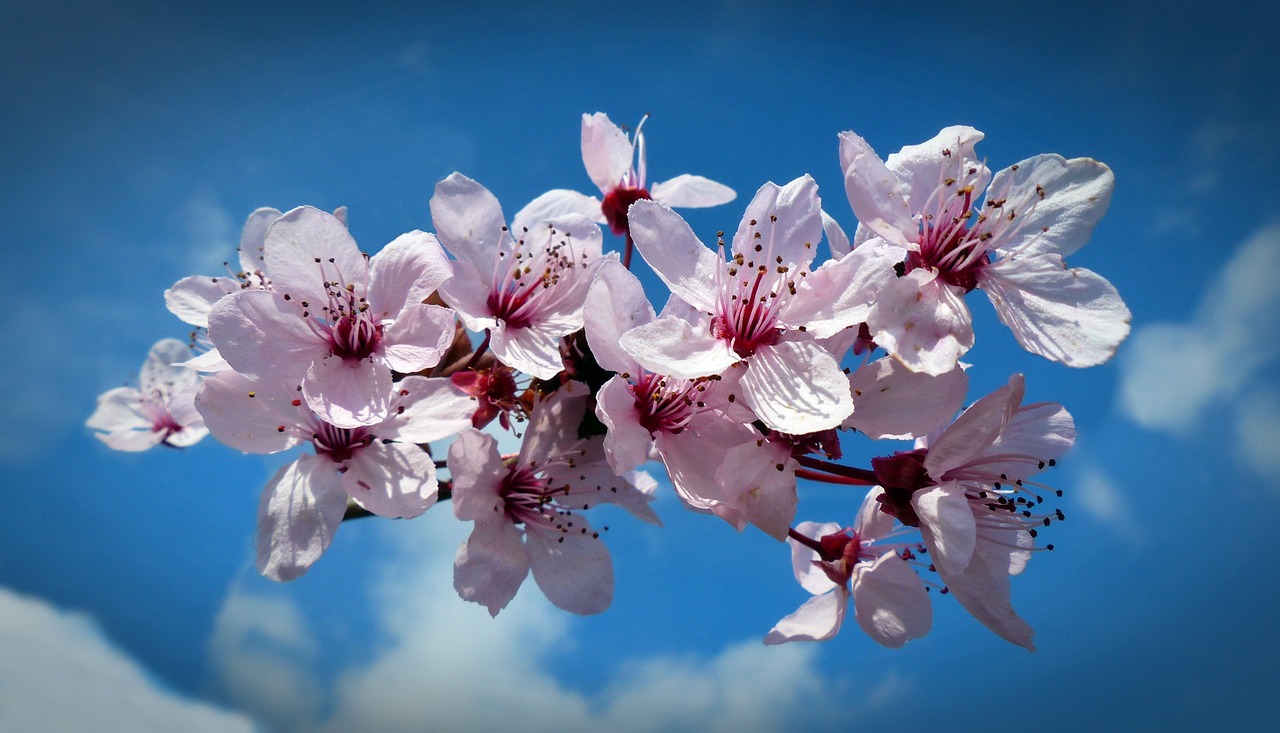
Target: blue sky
point(136, 140)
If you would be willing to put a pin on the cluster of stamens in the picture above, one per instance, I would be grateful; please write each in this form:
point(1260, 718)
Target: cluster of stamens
point(524, 281)
point(758, 288)
point(667, 404)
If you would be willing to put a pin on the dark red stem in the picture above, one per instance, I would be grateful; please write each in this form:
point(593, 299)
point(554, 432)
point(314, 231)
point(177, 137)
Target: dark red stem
point(860, 476)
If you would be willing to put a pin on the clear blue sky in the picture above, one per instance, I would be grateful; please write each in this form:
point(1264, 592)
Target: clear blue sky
point(133, 142)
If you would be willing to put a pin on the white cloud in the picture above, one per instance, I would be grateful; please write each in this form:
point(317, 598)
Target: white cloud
point(1099, 497)
point(211, 235)
point(1172, 372)
point(1258, 432)
point(59, 674)
point(444, 664)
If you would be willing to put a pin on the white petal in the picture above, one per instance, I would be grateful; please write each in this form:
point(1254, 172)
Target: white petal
point(817, 620)
point(837, 240)
point(260, 334)
point(1057, 203)
point(691, 192)
point(534, 350)
point(615, 304)
point(923, 322)
point(556, 203)
point(667, 243)
point(891, 401)
point(191, 298)
point(573, 569)
point(1074, 316)
point(433, 409)
point(306, 248)
point(469, 223)
point(949, 154)
point(1044, 430)
point(119, 409)
point(627, 443)
point(760, 481)
point(840, 293)
point(675, 347)
point(407, 271)
point(395, 480)
point(975, 430)
point(890, 602)
point(491, 565)
point(947, 520)
point(247, 415)
point(606, 151)
point(804, 561)
point(788, 220)
point(796, 387)
point(418, 337)
point(348, 394)
point(477, 473)
point(158, 373)
point(983, 590)
point(299, 513)
point(879, 199)
point(254, 236)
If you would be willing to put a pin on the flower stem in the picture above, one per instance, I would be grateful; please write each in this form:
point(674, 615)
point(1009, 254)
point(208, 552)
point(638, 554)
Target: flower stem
point(860, 476)
point(626, 253)
point(828, 478)
point(483, 347)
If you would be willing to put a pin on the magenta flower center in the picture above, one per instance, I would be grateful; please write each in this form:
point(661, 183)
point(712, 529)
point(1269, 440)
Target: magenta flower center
point(339, 444)
point(615, 206)
point(667, 404)
point(525, 279)
point(753, 292)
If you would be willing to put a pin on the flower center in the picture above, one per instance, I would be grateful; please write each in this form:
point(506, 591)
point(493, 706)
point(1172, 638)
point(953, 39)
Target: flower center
point(339, 444)
point(525, 280)
point(615, 206)
point(496, 392)
point(666, 404)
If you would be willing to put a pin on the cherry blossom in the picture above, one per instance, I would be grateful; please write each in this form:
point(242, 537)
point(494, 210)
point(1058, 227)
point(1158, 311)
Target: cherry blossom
point(377, 466)
point(616, 164)
point(160, 410)
point(525, 292)
point(968, 489)
point(763, 307)
point(834, 564)
point(527, 511)
point(336, 320)
point(925, 200)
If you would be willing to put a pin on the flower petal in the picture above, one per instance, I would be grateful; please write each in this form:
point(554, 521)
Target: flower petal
point(691, 192)
point(418, 337)
point(259, 334)
point(796, 387)
point(491, 565)
point(348, 393)
point(1074, 316)
point(841, 293)
point(818, 619)
point(674, 347)
point(247, 415)
point(469, 223)
point(667, 243)
point(983, 589)
point(923, 322)
point(949, 154)
point(805, 562)
point(760, 481)
point(557, 203)
point(306, 248)
point(1057, 202)
point(573, 569)
point(253, 237)
point(615, 304)
point(948, 526)
point(191, 298)
point(433, 409)
point(890, 602)
point(395, 480)
point(837, 240)
point(627, 443)
point(879, 198)
point(606, 151)
point(891, 401)
point(407, 271)
point(788, 220)
point(975, 430)
point(477, 472)
point(300, 510)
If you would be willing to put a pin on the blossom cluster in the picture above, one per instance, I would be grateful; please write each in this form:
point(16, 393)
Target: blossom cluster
point(401, 370)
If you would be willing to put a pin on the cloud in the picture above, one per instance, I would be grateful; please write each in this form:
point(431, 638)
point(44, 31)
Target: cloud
point(1099, 497)
point(443, 664)
point(210, 235)
point(59, 674)
point(1258, 432)
point(1172, 372)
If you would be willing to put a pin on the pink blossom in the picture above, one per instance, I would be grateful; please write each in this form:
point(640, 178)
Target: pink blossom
point(378, 466)
point(616, 164)
point(526, 292)
point(160, 410)
point(764, 307)
point(925, 200)
point(889, 599)
point(969, 491)
point(527, 512)
point(336, 320)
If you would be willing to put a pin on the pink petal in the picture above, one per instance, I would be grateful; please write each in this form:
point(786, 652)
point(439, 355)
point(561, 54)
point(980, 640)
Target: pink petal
point(947, 523)
point(890, 602)
point(675, 347)
point(131, 441)
point(491, 565)
point(299, 513)
point(789, 221)
point(975, 430)
point(557, 203)
point(923, 322)
point(891, 401)
point(878, 197)
point(923, 167)
point(433, 409)
point(691, 192)
point(873, 524)
point(468, 294)
point(469, 223)
point(837, 240)
point(119, 409)
point(247, 415)
point(796, 387)
point(841, 293)
point(191, 298)
point(534, 350)
point(418, 337)
point(260, 334)
point(983, 590)
point(760, 481)
point(627, 443)
point(573, 570)
point(348, 394)
point(606, 151)
point(306, 248)
point(477, 473)
point(615, 304)
point(158, 373)
point(805, 562)
point(553, 427)
point(818, 619)
point(407, 271)
point(1044, 430)
point(395, 480)
point(1058, 217)
point(667, 243)
point(1074, 316)
point(253, 237)
point(693, 457)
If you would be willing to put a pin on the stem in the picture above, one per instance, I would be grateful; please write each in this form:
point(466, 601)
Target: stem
point(862, 476)
point(827, 478)
point(809, 542)
point(483, 347)
point(626, 253)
